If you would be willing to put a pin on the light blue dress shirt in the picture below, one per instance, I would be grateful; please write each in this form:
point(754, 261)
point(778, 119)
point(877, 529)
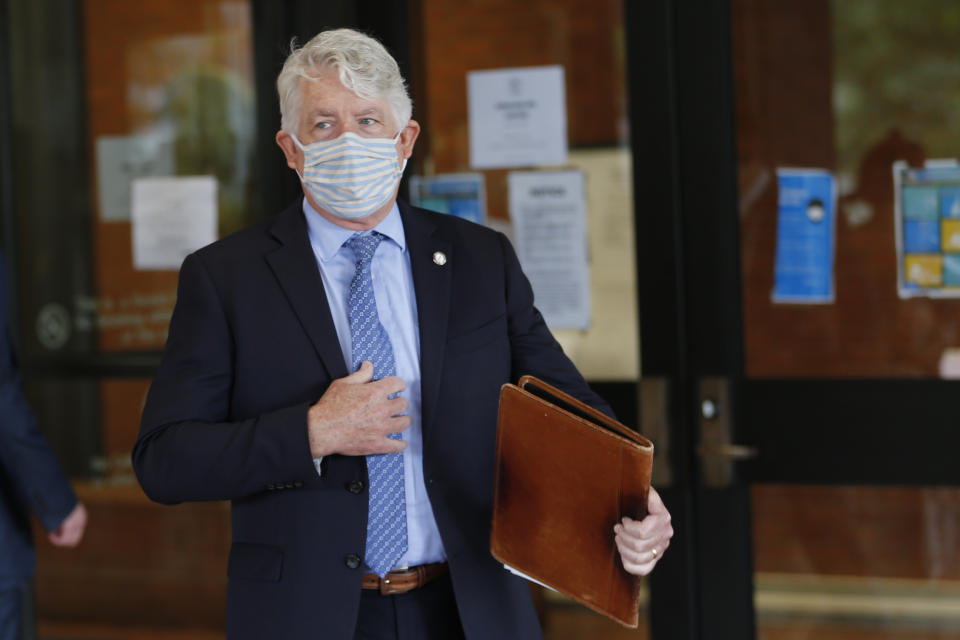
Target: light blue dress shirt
point(397, 307)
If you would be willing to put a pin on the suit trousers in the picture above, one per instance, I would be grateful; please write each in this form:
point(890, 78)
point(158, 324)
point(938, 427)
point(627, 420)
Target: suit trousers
point(16, 615)
point(427, 613)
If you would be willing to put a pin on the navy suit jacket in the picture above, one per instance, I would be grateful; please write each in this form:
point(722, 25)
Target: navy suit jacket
point(31, 479)
point(252, 345)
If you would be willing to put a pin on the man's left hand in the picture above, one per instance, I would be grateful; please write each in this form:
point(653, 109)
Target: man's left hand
point(642, 542)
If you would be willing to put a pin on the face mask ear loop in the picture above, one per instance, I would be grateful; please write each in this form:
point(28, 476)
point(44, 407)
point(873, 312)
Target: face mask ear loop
point(300, 146)
point(396, 139)
point(296, 141)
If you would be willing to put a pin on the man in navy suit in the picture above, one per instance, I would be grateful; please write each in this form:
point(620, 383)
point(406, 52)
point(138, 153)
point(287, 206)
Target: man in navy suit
point(31, 480)
point(267, 397)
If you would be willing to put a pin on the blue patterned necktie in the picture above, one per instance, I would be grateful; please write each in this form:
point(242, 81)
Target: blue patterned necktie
point(387, 520)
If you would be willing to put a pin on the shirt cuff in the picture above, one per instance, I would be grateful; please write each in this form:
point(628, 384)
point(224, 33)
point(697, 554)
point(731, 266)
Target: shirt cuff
point(316, 463)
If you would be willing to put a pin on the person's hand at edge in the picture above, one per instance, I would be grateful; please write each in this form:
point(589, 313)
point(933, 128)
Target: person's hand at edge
point(70, 531)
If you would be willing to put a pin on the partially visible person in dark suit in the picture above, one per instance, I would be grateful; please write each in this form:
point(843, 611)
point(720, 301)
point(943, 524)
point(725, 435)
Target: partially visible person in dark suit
point(31, 481)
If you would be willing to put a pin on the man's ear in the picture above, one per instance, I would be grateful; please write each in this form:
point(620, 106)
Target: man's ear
point(289, 148)
point(408, 137)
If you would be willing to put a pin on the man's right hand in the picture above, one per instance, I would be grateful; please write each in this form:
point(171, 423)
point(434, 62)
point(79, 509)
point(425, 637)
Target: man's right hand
point(356, 414)
point(70, 531)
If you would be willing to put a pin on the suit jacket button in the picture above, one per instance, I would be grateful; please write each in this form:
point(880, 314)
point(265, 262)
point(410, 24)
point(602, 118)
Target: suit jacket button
point(289, 485)
point(352, 561)
point(298, 483)
point(355, 486)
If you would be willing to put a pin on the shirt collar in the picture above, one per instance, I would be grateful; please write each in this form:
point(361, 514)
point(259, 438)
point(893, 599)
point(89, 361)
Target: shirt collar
point(327, 237)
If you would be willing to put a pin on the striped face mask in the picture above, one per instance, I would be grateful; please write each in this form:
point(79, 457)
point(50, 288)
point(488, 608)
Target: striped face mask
point(351, 176)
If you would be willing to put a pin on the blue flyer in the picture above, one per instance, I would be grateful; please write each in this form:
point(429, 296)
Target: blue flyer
point(806, 223)
point(459, 194)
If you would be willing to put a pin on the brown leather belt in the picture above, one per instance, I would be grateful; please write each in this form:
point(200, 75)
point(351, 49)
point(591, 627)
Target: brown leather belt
point(403, 580)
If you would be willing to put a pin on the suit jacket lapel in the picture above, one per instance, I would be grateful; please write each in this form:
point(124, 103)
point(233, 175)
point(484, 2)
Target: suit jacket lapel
point(431, 282)
point(295, 267)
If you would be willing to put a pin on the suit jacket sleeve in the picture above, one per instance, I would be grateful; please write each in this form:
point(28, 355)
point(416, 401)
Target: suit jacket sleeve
point(534, 350)
point(190, 447)
point(26, 460)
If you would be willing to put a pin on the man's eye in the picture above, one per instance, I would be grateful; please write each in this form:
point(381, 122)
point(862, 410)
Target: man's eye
point(322, 125)
point(367, 121)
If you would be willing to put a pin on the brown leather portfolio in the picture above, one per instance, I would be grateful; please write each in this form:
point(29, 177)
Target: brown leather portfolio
point(566, 473)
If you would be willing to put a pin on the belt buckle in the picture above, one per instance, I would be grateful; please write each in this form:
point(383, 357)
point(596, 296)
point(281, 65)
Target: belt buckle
point(388, 586)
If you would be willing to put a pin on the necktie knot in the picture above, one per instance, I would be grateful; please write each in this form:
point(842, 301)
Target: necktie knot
point(364, 245)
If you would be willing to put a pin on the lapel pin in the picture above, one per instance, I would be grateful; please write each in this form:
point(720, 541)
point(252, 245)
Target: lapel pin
point(439, 258)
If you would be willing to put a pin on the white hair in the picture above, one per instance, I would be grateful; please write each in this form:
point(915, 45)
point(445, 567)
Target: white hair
point(363, 65)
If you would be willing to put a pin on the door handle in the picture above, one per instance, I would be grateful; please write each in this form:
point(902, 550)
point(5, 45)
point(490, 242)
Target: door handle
point(716, 450)
point(728, 451)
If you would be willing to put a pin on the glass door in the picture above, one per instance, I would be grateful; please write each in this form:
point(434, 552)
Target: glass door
point(460, 46)
point(805, 189)
point(108, 97)
point(868, 543)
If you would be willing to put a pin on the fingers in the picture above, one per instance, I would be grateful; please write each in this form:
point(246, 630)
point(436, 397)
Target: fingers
point(655, 503)
point(378, 441)
point(392, 446)
point(361, 375)
point(366, 373)
point(397, 405)
point(639, 555)
point(657, 521)
point(70, 531)
point(648, 527)
point(396, 424)
point(65, 538)
point(640, 551)
point(642, 542)
point(56, 537)
point(638, 562)
point(391, 385)
point(654, 528)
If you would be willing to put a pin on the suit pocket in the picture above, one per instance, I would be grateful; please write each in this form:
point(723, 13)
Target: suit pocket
point(479, 337)
point(260, 562)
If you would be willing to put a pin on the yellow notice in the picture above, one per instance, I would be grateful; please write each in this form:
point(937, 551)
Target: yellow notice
point(950, 235)
point(925, 270)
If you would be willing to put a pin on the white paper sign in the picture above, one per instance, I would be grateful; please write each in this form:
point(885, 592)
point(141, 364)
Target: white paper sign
point(172, 217)
point(518, 117)
point(549, 214)
point(121, 159)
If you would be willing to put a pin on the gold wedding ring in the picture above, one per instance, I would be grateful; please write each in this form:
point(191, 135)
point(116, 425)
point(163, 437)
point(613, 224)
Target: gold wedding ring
point(654, 553)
